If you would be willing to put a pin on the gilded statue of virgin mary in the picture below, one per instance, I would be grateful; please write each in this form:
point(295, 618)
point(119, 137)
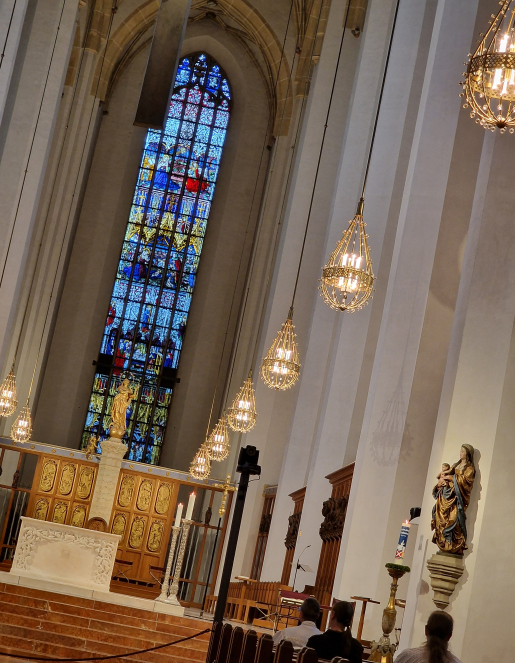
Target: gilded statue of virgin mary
point(121, 402)
point(452, 495)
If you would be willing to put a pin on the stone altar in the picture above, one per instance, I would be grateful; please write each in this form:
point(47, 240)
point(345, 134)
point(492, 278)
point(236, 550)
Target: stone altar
point(65, 554)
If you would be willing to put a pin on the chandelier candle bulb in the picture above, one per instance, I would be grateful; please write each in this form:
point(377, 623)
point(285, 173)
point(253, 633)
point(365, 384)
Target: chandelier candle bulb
point(403, 540)
point(178, 515)
point(191, 504)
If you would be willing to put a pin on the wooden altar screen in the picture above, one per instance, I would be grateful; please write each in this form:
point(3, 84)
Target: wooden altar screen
point(269, 494)
point(334, 511)
point(291, 535)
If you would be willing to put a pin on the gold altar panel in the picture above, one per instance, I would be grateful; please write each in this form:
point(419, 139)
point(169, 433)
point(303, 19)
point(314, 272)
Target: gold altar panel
point(126, 491)
point(67, 478)
point(144, 495)
point(137, 532)
point(164, 495)
point(62, 490)
point(48, 476)
point(119, 525)
point(78, 515)
point(155, 536)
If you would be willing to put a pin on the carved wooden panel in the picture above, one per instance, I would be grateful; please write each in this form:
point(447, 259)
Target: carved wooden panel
point(331, 529)
point(62, 490)
point(264, 527)
point(292, 533)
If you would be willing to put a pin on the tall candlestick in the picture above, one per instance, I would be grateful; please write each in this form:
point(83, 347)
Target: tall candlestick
point(178, 515)
point(191, 504)
point(403, 540)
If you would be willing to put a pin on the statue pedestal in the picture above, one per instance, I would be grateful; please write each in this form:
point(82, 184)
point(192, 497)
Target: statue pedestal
point(113, 451)
point(70, 556)
point(445, 570)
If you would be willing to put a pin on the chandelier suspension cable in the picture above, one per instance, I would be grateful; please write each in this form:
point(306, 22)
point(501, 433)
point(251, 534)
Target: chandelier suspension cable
point(347, 11)
point(378, 110)
point(2, 54)
point(264, 198)
point(263, 149)
point(25, 413)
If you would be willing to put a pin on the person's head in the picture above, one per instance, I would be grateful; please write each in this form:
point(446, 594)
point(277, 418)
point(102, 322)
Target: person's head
point(445, 467)
point(309, 610)
point(438, 632)
point(341, 616)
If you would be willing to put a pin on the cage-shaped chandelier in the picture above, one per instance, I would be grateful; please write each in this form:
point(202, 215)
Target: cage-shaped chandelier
point(348, 279)
point(200, 467)
point(8, 397)
point(21, 430)
point(217, 444)
point(489, 84)
point(280, 368)
point(242, 415)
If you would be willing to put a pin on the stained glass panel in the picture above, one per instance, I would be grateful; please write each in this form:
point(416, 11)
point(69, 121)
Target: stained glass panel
point(148, 314)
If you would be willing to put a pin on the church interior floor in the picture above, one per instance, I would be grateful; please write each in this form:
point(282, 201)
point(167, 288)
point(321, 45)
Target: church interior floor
point(35, 622)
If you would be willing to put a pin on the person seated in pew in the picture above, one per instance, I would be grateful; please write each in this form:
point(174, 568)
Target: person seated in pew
point(338, 640)
point(436, 649)
point(299, 635)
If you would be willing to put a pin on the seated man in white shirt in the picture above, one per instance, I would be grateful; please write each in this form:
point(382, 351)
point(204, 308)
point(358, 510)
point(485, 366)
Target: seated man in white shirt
point(299, 635)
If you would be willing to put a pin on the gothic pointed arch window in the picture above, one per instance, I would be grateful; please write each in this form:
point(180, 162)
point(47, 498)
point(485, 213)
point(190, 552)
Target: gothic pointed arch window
point(151, 298)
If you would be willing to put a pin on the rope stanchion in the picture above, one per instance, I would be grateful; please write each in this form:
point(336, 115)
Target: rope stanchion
point(104, 658)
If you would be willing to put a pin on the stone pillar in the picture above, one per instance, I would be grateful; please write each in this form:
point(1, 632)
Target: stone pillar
point(12, 14)
point(113, 451)
point(477, 409)
point(403, 394)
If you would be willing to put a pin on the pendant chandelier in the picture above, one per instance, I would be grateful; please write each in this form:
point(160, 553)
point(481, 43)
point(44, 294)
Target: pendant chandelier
point(21, 430)
point(242, 415)
point(200, 467)
point(348, 278)
point(217, 444)
point(281, 366)
point(489, 85)
point(8, 398)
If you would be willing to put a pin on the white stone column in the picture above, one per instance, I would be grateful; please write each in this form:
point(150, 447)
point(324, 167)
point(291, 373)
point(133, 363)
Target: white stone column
point(340, 350)
point(12, 14)
point(477, 409)
point(26, 131)
point(405, 383)
point(113, 451)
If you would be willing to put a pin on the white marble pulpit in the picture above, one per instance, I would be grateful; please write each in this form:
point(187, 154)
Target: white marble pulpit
point(65, 554)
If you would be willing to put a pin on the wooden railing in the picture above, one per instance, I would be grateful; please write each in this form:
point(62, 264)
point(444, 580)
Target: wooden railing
point(234, 645)
point(250, 603)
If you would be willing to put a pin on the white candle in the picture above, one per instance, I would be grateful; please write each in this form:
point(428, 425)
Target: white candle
point(178, 515)
point(191, 504)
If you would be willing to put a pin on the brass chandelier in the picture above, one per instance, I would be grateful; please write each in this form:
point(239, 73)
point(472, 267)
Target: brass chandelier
point(200, 467)
point(347, 281)
point(217, 444)
point(242, 415)
point(21, 430)
point(489, 84)
point(280, 368)
point(8, 397)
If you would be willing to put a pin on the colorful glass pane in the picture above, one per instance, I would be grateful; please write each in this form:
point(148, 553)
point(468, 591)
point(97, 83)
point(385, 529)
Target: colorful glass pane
point(148, 313)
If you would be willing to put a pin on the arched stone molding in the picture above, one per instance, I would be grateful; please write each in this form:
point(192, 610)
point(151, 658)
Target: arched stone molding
point(253, 25)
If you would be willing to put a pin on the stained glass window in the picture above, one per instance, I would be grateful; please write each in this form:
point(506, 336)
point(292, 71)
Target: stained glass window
point(151, 298)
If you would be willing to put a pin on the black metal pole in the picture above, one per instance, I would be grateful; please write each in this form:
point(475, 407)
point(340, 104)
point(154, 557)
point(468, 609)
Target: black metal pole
point(210, 567)
point(231, 546)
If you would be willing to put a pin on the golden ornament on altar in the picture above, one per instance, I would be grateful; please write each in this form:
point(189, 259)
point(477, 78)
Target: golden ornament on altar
point(280, 368)
point(217, 444)
point(347, 279)
point(242, 415)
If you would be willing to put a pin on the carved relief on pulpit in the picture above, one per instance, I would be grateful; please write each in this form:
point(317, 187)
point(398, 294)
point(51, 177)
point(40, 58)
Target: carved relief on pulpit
point(293, 530)
point(333, 511)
